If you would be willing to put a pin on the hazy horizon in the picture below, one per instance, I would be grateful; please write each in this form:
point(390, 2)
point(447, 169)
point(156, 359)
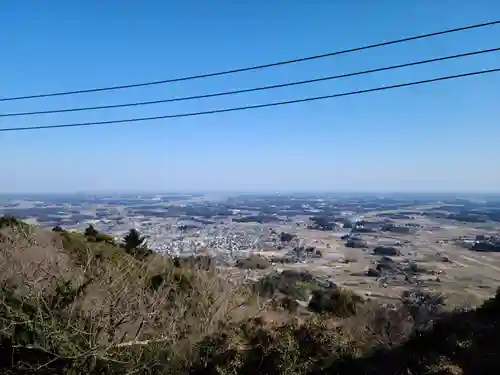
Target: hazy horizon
point(263, 192)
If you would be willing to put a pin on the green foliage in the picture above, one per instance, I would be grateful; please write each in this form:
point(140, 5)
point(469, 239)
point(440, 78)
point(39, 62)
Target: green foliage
point(90, 231)
point(133, 240)
point(204, 262)
point(35, 327)
point(336, 301)
point(291, 348)
point(303, 289)
point(423, 306)
point(136, 245)
point(253, 262)
point(180, 279)
point(78, 247)
point(288, 303)
point(103, 237)
point(295, 285)
point(8, 221)
point(286, 237)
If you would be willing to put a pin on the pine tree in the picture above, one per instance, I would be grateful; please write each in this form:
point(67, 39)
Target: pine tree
point(133, 240)
point(90, 231)
point(136, 245)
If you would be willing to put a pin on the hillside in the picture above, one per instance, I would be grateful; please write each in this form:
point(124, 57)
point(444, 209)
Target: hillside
point(81, 303)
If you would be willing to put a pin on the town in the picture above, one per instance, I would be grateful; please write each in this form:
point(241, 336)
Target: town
point(376, 245)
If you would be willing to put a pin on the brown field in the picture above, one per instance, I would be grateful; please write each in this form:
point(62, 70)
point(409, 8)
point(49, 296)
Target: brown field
point(468, 277)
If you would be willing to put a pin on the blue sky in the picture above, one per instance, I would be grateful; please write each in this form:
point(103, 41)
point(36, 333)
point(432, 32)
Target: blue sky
point(439, 137)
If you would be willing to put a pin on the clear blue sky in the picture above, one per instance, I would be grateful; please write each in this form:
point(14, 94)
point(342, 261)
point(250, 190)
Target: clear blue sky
point(442, 136)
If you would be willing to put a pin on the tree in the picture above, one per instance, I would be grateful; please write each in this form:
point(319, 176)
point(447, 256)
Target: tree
point(133, 240)
point(423, 306)
point(58, 228)
point(286, 237)
point(135, 244)
point(90, 231)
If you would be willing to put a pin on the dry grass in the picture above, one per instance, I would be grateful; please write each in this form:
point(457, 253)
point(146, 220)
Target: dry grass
point(29, 256)
point(110, 304)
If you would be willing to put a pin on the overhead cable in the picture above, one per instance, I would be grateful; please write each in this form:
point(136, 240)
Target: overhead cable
point(256, 67)
point(265, 105)
point(262, 88)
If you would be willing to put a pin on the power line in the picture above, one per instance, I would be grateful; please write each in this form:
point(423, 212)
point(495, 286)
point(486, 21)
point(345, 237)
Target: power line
point(262, 88)
point(256, 67)
point(310, 99)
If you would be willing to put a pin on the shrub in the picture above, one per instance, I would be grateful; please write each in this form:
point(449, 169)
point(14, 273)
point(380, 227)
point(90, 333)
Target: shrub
point(257, 348)
point(204, 262)
point(424, 306)
point(373, 272)
point(386, 251)
point(415, 268)
point(103, 237)
point(286, 237)
point(335, 301)
point(90, 231)
point(288, 303)
point(8, 221)
point(293, 284)
point(253, 262)
point(356, 243)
